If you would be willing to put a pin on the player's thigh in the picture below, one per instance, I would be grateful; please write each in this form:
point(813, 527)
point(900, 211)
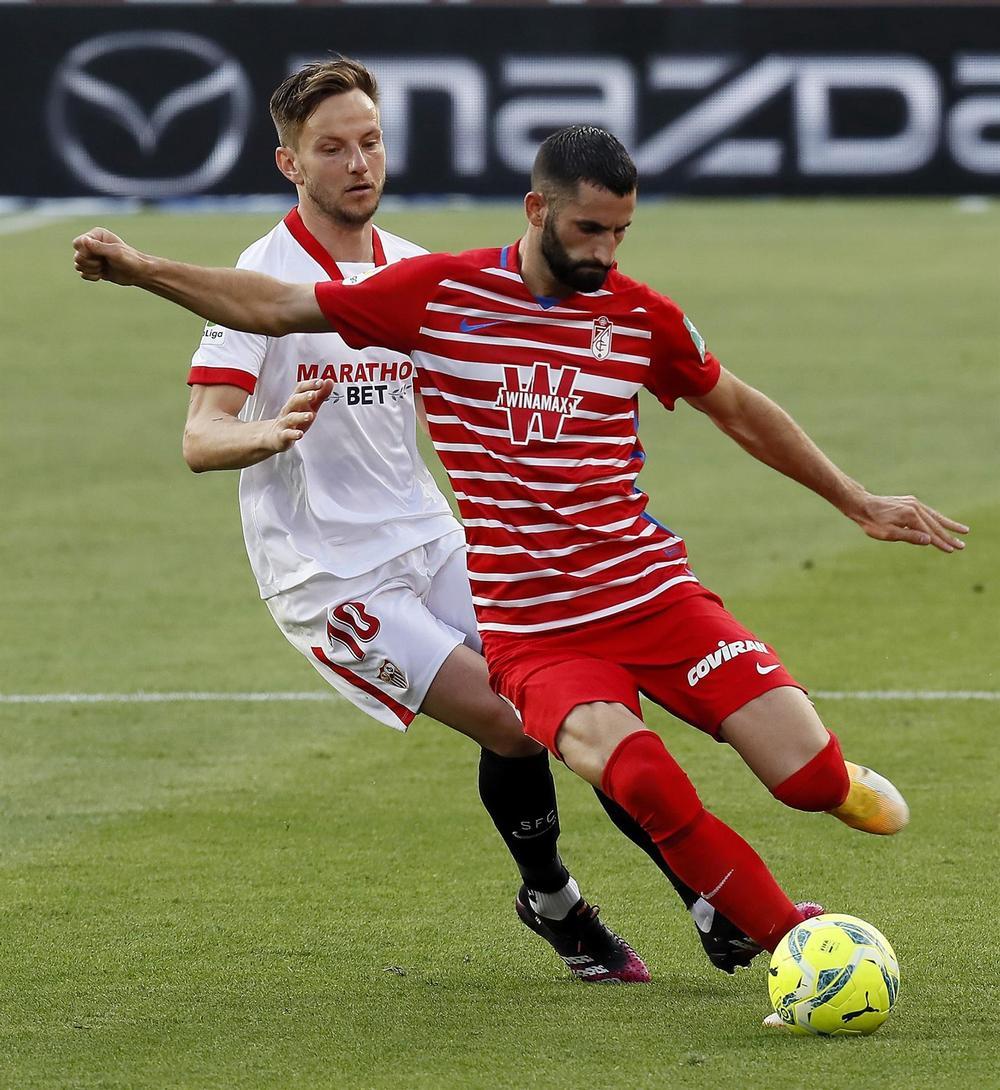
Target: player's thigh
point(776, 734)
point(371, 638)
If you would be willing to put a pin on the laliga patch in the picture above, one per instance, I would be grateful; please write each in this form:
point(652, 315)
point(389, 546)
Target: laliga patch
point(600, 340)
point(699, 340)
point(213, 334)
point(361, 277)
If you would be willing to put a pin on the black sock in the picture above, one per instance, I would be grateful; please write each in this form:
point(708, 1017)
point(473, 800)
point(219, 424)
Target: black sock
point(520, 797)
point(638, 835)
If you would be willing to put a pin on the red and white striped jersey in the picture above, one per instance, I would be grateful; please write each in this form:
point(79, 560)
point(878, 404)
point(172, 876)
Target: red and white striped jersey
point(532, 406)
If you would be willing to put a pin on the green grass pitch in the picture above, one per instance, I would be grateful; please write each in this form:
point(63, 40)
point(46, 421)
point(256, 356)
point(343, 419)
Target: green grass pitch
point(250, 895)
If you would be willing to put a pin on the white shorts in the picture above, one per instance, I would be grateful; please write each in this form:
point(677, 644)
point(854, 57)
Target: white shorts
point(379, 639)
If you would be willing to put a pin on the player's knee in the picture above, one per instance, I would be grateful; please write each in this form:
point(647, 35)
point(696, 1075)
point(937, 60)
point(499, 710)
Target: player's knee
point(650, 785)
point(820, 784)
point(499, 730)
point(590, 734)
point(520, 745)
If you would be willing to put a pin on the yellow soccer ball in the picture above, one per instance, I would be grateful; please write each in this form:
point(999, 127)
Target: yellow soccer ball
point(833, 975)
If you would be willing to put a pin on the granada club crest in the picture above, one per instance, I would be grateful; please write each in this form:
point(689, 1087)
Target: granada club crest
point(537, 405)
point(600, 339)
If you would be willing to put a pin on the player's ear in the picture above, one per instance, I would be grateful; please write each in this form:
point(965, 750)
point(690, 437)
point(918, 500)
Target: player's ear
point(534, 208)
point(284, 160)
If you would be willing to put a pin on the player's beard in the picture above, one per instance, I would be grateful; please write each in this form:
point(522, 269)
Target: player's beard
point(340, 214)
point(578, 275)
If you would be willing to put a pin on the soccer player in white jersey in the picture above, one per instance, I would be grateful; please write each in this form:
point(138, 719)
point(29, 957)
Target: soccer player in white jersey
point(530, 359)
point(356, 552)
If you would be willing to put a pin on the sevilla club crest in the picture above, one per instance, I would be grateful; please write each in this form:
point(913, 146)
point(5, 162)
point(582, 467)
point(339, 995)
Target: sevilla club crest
point(390, 673)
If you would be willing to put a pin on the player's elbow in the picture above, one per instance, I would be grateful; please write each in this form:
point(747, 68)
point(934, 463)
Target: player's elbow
point(293, 310)
point(279, 323)
point(193, 451)
point(267, 318)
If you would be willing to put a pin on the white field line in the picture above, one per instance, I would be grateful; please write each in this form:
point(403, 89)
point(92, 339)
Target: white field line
point(907, 694)
point(17, 216)
point(27, 221)
point(159, 698)
point(284, 697)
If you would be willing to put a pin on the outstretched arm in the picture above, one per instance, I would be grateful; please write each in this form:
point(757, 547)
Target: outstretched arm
point(765, 430)
point(235, 298)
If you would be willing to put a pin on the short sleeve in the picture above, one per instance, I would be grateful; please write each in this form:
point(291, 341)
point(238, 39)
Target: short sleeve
point(681, 365)
point(227, 357)
point(385, 306)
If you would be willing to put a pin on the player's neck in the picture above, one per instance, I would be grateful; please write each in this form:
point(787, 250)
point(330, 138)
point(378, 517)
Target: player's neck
point(536, 271)
point(343, 242)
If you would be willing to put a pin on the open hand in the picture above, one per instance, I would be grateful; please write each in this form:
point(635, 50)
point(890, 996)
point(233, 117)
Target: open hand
point(102, 255)
point(298, 414)
point(905, 518)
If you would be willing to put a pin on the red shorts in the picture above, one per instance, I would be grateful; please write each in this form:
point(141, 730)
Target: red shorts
point(691, 657)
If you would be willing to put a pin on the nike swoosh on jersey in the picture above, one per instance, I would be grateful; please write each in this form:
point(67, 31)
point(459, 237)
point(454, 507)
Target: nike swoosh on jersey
point(767, 669)
point(465, 326)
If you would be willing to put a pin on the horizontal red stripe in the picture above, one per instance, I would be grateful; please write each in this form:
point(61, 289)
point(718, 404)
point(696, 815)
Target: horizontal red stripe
point(570, 578)
point(580, 475)
point(495, 564)
point(400, 711)
point(222, 376)
point(582, 492)
point(559, 538)
point(607, 448)
point(591, 520)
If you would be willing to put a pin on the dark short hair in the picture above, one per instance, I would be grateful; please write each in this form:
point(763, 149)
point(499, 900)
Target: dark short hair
point(300, 94)
point(583, 153)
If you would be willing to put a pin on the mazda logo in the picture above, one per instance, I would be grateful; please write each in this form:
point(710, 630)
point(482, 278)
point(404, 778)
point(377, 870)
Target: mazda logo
point(147, 60)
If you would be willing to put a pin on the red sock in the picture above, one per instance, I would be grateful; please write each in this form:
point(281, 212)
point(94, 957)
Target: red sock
point(733, 878)
point(820, 784)
point(705, 853)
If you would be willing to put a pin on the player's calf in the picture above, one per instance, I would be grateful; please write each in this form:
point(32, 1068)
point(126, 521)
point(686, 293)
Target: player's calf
point(822, 783)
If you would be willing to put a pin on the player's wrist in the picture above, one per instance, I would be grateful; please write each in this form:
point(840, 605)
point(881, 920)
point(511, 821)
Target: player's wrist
point(852, 500)
point(272, 440)
point(152, 273)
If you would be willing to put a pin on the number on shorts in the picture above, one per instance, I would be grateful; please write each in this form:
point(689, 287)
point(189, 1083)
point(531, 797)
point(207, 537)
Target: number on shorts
point(351, 624)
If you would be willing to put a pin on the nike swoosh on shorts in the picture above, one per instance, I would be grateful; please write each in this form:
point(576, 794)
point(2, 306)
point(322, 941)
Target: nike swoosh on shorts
point(767, 669)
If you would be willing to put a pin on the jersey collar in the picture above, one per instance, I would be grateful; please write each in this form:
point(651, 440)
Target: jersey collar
point(312, 246)
point(510, 259)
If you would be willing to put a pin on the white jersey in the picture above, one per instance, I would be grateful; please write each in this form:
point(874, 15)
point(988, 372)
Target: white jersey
point(354, 491)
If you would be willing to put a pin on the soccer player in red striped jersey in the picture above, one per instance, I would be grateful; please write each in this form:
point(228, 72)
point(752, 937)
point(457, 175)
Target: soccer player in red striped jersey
point(531, 358)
